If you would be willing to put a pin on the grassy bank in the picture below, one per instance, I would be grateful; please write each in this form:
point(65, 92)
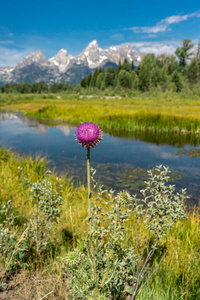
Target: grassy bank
point(142, 112)
point(177, 277)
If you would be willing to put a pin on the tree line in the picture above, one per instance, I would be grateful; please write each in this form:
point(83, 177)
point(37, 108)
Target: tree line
point(164, 71)
point(167, 72)
point(37, 88)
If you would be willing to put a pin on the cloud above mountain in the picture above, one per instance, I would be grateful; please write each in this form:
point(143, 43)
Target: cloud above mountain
point(159, 47)
point(9, 57)
point(164, 24)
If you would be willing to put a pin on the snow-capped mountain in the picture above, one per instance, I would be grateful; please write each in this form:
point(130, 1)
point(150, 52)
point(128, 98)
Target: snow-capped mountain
point(64, 67)
point(62, 60)
point(34, 68)
point(93, 56)
point(4, 73)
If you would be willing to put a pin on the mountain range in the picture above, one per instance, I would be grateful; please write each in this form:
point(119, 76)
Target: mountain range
point(64, 67)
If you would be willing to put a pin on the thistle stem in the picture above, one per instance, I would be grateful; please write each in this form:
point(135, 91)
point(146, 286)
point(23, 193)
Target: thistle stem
point(88, 185)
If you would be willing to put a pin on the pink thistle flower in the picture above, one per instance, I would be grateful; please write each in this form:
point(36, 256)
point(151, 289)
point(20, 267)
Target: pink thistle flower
point(88, 134)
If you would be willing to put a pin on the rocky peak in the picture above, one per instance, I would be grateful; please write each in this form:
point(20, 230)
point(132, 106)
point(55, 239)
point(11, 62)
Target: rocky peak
point(61, 53)
point(126, 47)
point(92, 55)
point(34, 68)
point(93, 44)
point(34, 57)
point(63, 67)
point(92, 47)
point(112, 48)
point(62, 60)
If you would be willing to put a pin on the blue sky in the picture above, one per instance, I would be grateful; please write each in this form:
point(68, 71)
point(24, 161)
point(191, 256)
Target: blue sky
point(150, 26)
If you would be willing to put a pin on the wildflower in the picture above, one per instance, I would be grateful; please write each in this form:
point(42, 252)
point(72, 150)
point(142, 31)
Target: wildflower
point(88, 134)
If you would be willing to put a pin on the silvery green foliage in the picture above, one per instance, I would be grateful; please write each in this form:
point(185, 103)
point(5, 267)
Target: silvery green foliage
point(47, 197)
point(6, 235)
point(160, 208)
point(8, 215)
point(9, 239)
point(104, 267)
point(160, 205)
point(107, 270)
point(48, 201)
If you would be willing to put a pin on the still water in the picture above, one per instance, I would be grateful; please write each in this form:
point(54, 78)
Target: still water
point(121, 162)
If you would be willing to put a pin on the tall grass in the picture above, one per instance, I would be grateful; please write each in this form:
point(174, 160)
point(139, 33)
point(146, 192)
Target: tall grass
point(178, 275)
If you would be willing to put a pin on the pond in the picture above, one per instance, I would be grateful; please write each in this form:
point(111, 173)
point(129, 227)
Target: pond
point(121, 161)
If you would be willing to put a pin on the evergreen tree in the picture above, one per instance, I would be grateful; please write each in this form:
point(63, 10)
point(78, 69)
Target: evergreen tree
point(171, 67)
point(83, 82)
point(193, 72)
point(100, 80)
point(110, 70)
point(109, 76)
point(94, 78)
point(126, 66)
point(42, 87)
point(138, 70)
point(146, 72)
point(135, 80)
point(119, 67)
point(197, 57)
point(159, 76)
point(124, 78)
point(88, 79)
point(164, 78)
point(177, 81)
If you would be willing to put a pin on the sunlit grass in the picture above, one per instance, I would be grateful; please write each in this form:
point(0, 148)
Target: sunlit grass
point(12, 188)
point(127, 114)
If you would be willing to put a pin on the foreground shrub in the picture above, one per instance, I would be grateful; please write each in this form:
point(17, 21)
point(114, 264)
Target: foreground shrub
point(105, 269)
point(18, 245)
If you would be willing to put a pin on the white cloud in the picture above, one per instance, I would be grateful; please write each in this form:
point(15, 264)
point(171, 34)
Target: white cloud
point(118, 37)
point(151, 35)
point(10, 57)
point(167, 47)
point(154, 29)
point(6, 42)
point(164, 24)
point(175, 19)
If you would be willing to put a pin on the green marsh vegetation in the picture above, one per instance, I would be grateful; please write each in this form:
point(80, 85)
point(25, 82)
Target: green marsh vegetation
point(126, 115)
point(176, 278)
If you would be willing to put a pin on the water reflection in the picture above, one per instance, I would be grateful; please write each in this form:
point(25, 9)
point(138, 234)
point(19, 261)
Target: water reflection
point(26, 121)
point(37, 126)
point(160, 138)
point(121, 162)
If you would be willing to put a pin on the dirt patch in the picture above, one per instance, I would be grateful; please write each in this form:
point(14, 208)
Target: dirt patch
point(34, 286)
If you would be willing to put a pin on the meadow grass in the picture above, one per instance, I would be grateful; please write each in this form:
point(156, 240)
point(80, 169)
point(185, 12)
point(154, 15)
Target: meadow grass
point(176, 278)
point(139, 113)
